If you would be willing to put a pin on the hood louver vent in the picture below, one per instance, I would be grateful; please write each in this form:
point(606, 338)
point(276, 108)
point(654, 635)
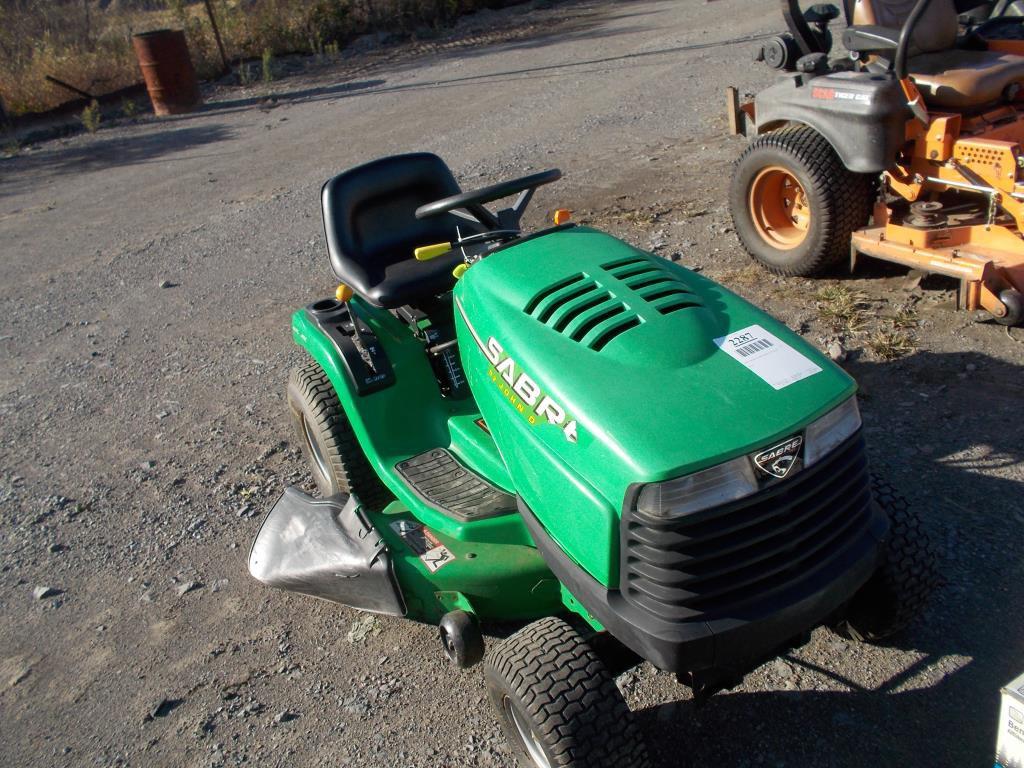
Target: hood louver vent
point(583, 310)
point(662, 290)
point(593, 314)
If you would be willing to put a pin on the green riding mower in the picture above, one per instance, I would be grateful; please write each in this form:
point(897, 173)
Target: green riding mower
point(559, 430)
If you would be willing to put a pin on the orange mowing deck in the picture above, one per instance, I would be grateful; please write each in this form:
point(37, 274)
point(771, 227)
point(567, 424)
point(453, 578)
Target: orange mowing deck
point(969, 262)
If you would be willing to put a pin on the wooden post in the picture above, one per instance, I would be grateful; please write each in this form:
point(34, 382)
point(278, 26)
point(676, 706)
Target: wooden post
point(737, 121)
point(216, 36)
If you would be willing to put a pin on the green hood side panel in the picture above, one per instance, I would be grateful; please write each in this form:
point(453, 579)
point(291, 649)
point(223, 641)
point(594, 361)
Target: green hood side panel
point(657, 401)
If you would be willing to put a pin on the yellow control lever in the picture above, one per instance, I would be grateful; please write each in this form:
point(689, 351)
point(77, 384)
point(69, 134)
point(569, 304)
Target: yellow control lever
point(460, 270)
point(343, 293)
point(428, 252)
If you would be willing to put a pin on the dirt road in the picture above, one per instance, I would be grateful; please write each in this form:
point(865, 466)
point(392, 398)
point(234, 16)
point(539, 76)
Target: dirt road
point(143, 430)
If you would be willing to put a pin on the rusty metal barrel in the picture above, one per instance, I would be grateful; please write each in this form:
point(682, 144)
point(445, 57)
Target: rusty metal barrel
point(168, 71)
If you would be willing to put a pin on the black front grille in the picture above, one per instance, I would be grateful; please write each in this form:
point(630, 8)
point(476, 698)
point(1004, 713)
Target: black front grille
point(718, 562)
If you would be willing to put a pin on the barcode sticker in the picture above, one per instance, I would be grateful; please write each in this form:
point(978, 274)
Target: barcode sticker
point(755, 346)
point(767, 356)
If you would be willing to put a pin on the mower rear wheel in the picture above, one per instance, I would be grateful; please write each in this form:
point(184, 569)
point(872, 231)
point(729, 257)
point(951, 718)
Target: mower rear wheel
point(558, 704)
point(898, 590)
point(335, 457)
point(794, 204)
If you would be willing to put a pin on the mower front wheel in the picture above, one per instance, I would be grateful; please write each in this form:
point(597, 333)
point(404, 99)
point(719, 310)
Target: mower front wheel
point(558, 704)
point(898, 590)
point(461, 639)
point(1013, 300)
point(335, 457)
point(794, 204)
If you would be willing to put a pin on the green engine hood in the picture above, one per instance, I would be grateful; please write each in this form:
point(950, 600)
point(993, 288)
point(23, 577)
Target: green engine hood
point(623, 343)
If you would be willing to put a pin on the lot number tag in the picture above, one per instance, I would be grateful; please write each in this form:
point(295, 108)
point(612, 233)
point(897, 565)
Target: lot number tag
point(766, 355)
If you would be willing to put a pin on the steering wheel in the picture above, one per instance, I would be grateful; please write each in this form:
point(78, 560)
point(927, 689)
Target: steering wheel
point(473, 201)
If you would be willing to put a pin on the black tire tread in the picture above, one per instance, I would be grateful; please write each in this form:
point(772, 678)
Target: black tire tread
point(848, 196)
point(569, 696)
point(349, 466)
point(899, 589)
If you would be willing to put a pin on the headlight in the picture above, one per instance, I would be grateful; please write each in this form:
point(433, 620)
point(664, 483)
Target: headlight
point(708, 488)
point(830, 430)
point(735, 479)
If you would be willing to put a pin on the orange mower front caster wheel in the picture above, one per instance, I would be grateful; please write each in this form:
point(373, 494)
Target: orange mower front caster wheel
point(1013, 300)
point(794, 204)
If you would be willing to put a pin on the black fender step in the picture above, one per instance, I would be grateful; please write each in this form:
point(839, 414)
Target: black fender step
point(452, 488)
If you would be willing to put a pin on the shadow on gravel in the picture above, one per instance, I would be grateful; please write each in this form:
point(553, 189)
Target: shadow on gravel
point(936, 420)
point(809, 728)
point(583, 31)
point(131, 149)
point(379, 87)
point(319, 93)
point(564, 69)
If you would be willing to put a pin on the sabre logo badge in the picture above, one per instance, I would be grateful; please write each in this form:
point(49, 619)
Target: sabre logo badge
point(779, 459)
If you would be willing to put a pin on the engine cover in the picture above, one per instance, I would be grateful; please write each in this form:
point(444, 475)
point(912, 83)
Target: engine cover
point(597, 365)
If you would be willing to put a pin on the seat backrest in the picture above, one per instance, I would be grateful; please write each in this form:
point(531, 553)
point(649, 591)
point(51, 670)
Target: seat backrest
point(370, 215)
point(936, 30)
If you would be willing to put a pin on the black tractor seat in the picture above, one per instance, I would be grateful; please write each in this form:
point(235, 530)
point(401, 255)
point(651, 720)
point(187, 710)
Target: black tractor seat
point(372, 229)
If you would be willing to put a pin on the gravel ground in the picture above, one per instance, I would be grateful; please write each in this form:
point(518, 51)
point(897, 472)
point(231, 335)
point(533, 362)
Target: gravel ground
point(147, 276)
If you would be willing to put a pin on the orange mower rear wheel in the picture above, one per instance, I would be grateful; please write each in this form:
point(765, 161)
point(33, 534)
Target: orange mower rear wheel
point(794, 204)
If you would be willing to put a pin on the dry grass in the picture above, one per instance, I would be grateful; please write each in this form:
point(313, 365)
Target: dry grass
point(748, 275)
point(905, 316)
point(74, 42)
point(87, 43)
point(891, 343)
point(844, 310)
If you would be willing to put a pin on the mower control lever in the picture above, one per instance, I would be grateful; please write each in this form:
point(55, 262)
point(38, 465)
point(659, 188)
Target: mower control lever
point(494, 234)
point(428, 252)
point(870, 39)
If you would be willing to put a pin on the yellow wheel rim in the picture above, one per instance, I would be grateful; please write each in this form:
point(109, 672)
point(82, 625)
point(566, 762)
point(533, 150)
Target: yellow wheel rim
point(779, 209)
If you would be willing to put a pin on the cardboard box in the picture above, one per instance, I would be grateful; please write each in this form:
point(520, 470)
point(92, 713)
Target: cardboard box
point(1010, 739)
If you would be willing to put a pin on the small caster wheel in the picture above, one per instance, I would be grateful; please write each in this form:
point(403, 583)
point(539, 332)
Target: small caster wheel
point(461, 639)
point(1013, 300)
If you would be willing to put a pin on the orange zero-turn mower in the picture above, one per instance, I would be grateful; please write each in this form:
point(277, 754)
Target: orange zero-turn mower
point(909, 150)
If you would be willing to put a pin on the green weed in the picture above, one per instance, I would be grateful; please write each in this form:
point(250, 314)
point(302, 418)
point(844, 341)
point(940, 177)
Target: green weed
point(91, 117)
point(129, 108)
